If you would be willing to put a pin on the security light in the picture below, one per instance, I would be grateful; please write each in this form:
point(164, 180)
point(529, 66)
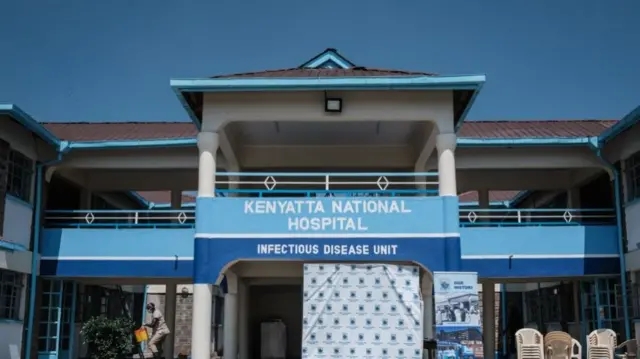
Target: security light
point(333, 105)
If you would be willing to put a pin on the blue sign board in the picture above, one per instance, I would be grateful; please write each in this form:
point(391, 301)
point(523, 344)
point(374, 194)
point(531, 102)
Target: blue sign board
point(423, 230)
point(423, 216)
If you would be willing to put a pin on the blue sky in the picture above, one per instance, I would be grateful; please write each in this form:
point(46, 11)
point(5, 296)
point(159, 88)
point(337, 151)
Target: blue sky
point(79, 60)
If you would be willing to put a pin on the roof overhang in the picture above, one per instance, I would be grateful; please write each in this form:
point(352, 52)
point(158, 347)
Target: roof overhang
point(23, 118)
point(190, 91)
point(624, 124)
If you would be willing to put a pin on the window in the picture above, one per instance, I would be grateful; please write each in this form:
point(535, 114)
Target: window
point(20, 176)
point(632, 176)
point(11, 284)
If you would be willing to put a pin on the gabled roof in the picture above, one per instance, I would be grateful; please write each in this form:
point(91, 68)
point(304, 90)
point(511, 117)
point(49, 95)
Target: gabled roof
point(328, 70)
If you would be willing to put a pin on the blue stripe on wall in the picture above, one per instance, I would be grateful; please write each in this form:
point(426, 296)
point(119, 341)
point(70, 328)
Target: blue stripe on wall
point(550, 240)
point(93, 242)
point(118, 268)
point(547, 267)
point(486, 268)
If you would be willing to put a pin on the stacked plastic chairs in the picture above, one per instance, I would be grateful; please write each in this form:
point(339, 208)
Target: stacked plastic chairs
point(631, 349)
point(576, 349)
point(601, 344)
point(558, 345)
point(529, 344)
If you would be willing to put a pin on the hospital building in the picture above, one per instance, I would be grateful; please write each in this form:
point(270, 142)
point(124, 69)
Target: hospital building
point(329, 175)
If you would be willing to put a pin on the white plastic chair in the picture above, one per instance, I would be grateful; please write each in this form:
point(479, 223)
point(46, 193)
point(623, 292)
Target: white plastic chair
point(529, 344)
point(601, 343)
point(558, 345)
point(576, 349)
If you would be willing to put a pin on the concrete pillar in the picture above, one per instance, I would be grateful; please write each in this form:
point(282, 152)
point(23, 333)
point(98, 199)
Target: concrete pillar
point(446, 144)
point(484, 203)
point(230, 325)
point(176, 199)
point(573, 202)
point(202, 292)
point(483, 199)
point(243, 320)
point(176, 204)
point(85, 198)
point(488, 319)
point(428, 323)
point(170, 298)
point(576, 305)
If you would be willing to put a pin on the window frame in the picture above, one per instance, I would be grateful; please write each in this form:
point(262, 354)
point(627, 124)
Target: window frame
point(11, 292)
point(632, 177)
point(20, 173)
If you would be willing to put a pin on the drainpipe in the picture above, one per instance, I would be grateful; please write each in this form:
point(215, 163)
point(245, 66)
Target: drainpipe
point(35, 250)
point(594, 144)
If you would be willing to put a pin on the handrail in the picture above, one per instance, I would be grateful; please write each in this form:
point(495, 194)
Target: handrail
point(185, 218)
point(535, 217)
point(313, 184)
point(105, 218)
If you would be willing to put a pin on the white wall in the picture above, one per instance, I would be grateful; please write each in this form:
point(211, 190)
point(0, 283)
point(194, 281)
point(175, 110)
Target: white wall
point(632, 218)
point(11, 331)
point(17, 222)
point(10, 340)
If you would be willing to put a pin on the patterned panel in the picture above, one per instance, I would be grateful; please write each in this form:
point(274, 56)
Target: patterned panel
point(362, 311)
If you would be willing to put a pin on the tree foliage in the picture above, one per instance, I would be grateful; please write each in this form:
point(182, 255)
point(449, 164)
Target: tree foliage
point(108, 338)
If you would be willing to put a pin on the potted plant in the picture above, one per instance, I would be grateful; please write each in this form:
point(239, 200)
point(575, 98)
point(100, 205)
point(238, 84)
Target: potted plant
point(108, 338)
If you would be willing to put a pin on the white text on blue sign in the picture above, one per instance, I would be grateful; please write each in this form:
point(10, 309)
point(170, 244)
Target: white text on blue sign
point(328, 249)
point(309, 215)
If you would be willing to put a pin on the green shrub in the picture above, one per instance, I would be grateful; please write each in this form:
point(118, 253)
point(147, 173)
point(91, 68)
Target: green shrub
point(108, 338)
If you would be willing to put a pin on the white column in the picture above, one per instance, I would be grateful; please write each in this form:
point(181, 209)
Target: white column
point(446, 144)
point(202, 292)
point(428, 323)
point(170, 298)
point(230, 325)
point(207, 149)
point(243, 320)
point(488, 319)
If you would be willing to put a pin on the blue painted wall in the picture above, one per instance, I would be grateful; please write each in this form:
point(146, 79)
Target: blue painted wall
point(495, 252)
point(117, 252)
point(540, 251)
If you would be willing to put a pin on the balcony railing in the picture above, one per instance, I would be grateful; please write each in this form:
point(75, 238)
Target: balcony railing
point(535, 217)
point(186, 218)
point(319, 184)
point(120, 218)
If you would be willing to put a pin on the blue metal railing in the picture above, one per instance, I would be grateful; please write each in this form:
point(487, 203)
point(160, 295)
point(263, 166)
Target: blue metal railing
point(505, 217)
point(330, 184)
point(185, 218)
point(120, 218)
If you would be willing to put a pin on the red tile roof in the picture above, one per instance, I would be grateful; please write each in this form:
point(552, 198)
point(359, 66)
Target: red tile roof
point(531, 129)
point(470, 129)
point(161, 197)
point(494, 196)
point(357, 71)
point(112, 131)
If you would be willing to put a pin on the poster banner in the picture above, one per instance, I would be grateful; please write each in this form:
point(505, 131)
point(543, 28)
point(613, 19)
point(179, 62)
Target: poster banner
point(457, 315)
point(361, 311)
